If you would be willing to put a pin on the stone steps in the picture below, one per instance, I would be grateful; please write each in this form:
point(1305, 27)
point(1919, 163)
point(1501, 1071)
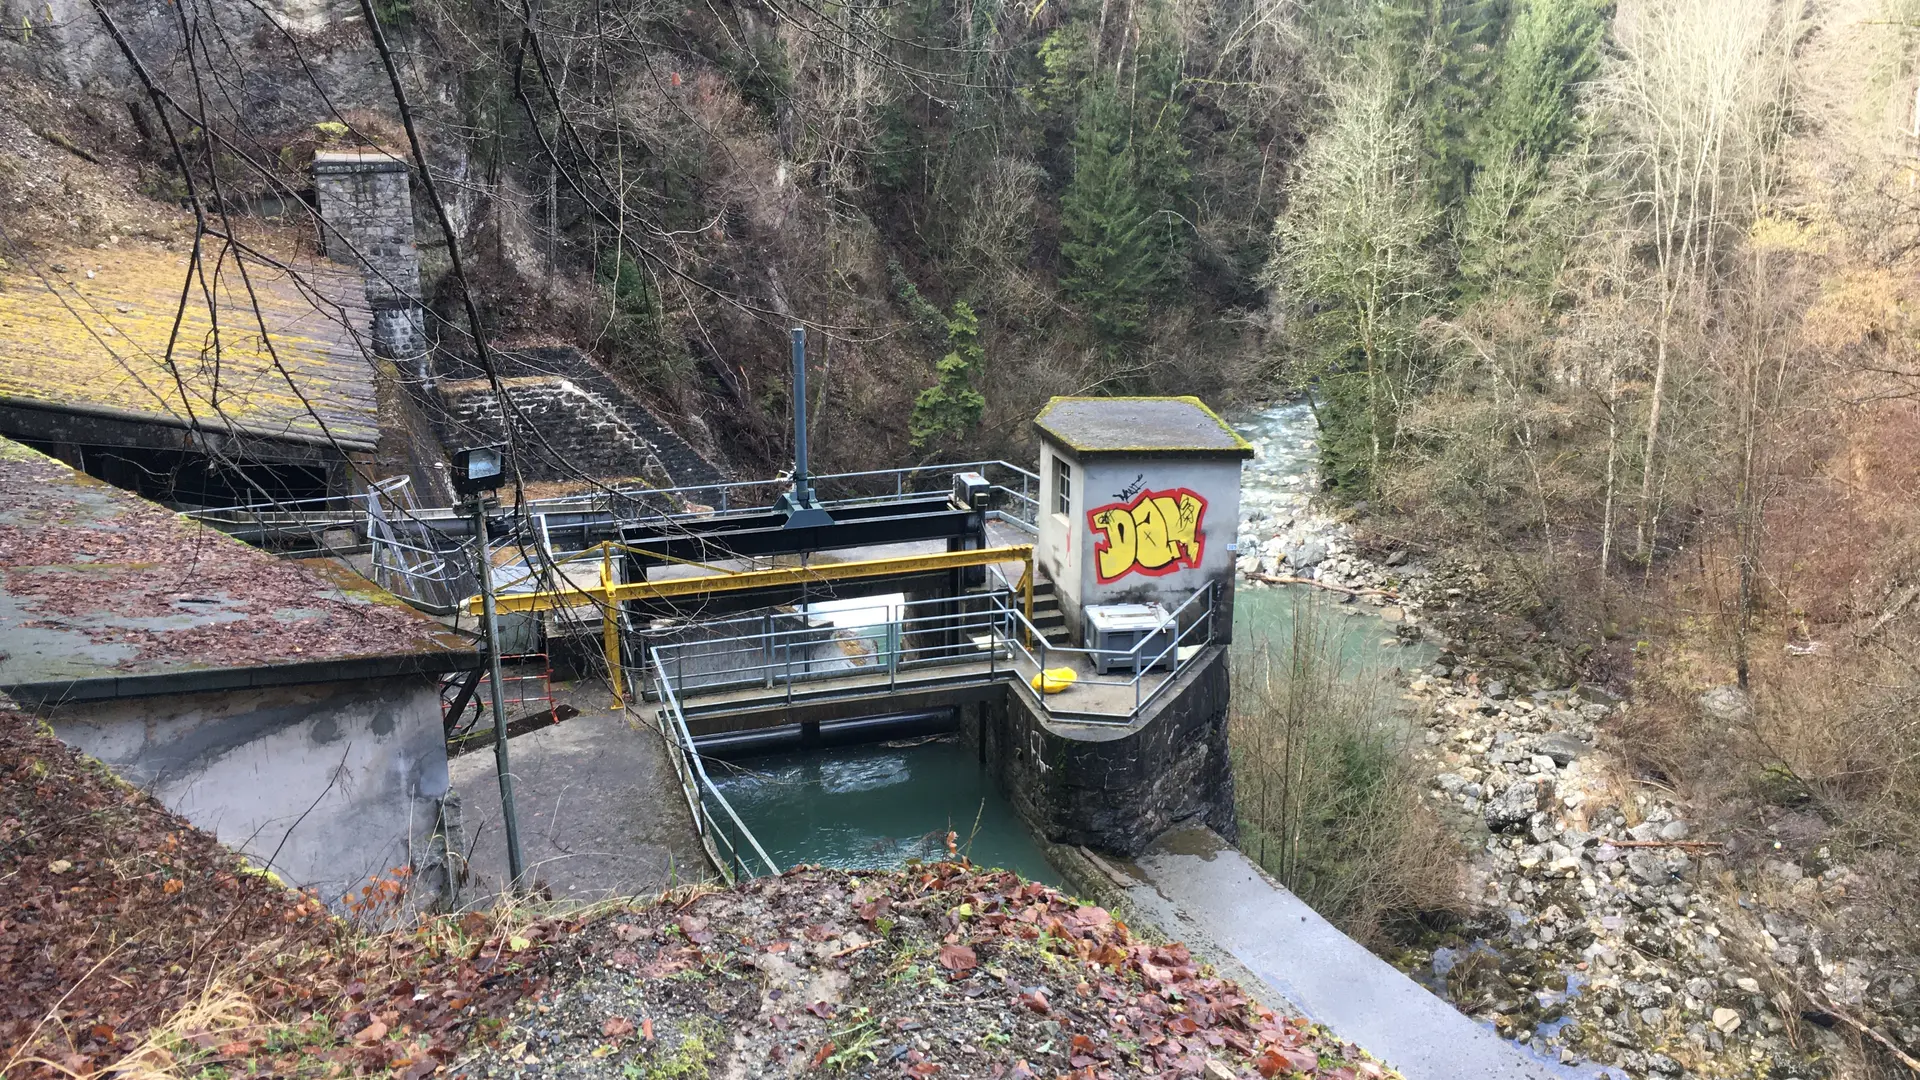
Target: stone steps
point(595, 427)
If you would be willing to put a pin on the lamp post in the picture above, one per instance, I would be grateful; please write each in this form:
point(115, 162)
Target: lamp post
point(476, 473)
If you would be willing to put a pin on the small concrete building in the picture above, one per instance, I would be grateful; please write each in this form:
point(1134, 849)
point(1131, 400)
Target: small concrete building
point(290, 708)
point(1139, 503)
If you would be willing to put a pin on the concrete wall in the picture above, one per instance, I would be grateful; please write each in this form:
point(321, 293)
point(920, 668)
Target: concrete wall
point(1067, 548)
point(1057, 549)
point(366, 205)
point(328, 783)
point(1110, 788)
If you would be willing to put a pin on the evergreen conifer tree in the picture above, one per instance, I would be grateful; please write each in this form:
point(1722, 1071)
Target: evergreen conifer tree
point(1508, 232)
point(1105, 231)
point(951, 406)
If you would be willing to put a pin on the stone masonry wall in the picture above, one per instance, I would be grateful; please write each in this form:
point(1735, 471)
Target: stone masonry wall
point(1116, 790)
point(366, 204)
point(563, 431)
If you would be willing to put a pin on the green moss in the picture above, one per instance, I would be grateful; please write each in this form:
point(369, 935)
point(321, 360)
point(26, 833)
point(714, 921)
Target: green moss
point(688, 1060)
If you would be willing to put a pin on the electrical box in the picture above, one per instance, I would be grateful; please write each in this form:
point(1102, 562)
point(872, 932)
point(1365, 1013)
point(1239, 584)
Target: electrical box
point(1112, 630)
point(971, 490)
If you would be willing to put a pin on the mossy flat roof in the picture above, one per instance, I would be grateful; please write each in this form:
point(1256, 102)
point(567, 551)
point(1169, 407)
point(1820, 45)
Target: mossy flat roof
point(104, 594)
point(1131, 426)
point(87, 330)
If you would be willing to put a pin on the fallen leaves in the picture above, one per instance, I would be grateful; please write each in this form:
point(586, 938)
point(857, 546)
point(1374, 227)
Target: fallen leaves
point(958, 959)
point(696, 929)
point(617, 1027)
point(131, 872)
point(1279, 1060)
point(371, 1034)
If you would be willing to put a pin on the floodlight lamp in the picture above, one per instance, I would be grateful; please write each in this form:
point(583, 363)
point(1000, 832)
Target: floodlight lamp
point(481, 468)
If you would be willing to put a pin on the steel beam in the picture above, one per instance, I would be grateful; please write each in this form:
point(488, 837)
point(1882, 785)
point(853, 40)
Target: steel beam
point(704, 584)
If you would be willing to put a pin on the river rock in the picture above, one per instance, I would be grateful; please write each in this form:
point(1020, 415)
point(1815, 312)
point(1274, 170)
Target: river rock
point(1563, 748)
point(1648, 867)
point(1307, 553)
point(1511, 809)
point(1726, 705)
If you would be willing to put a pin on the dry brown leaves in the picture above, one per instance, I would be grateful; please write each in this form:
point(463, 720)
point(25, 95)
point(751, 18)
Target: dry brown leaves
point(73, 548)
point(125, 926)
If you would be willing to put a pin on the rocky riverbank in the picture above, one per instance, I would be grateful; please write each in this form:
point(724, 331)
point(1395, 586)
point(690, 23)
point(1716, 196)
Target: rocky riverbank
point(1610, 927)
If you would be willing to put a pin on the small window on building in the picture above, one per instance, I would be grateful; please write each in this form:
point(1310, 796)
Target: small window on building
point(1062, 488)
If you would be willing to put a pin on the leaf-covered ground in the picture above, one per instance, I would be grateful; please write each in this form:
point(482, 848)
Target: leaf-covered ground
point(942, 970)
point(131, 941)
point(135, 945)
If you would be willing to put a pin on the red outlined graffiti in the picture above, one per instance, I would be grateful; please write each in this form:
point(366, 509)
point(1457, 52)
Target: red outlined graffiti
point(1156, 533)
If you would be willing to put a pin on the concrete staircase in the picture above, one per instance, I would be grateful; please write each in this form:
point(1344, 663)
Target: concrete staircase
point(1047, 616)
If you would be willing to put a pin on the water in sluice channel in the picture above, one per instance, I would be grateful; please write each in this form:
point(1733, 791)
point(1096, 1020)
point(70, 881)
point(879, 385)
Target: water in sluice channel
point(876, 806)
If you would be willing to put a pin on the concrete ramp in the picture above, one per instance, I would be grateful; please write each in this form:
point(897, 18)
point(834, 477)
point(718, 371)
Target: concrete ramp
point(1204, 891)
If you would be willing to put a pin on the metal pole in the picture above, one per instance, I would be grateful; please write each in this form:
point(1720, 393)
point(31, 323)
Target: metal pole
point(610, 628)
point(490, 626)
point(802, 493)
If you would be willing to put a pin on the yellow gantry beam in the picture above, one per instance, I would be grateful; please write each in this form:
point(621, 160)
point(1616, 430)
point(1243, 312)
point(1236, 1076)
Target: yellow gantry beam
point(609, 593)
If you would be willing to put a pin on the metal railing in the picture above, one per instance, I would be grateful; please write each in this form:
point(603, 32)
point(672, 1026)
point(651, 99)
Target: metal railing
point(1021, 487)
point(910, 636)
point(418, 553)
point(1192, 625)
point(988, 630)
point(729, 842)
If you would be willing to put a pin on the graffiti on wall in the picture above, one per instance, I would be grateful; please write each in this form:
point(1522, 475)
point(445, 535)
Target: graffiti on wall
point(1152, 533)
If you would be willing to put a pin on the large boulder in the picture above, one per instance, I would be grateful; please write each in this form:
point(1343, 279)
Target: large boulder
point(1726, 705)
point(1563, 748)
point(1510, 810)
point(1308, 553)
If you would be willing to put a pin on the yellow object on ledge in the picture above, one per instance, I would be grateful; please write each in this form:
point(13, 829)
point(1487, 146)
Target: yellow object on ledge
point(1053, 680)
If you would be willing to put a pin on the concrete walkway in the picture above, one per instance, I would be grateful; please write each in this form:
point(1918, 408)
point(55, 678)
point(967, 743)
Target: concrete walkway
point(1202, 890)
point(600, 808)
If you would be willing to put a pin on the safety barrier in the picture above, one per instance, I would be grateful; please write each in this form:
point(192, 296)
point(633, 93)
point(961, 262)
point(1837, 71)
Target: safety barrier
point(729, 843)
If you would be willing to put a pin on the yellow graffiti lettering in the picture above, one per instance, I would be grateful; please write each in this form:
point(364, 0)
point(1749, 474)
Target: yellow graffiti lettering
point(1118, 554)
point(1152, 549)
point(1187, 522)
point(1152, 534)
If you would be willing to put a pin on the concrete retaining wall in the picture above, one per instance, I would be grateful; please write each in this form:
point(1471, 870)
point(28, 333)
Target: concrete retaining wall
point(326, 783)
